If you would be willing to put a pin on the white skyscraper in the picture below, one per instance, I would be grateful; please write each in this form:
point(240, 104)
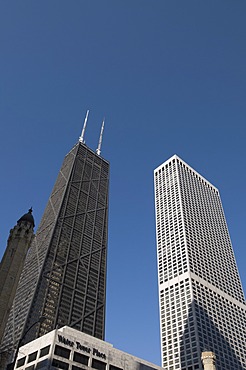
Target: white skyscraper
point(202, 305)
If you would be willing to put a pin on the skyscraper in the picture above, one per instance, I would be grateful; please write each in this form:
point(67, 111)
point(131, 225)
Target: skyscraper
point(202, 305)
point(64, 276)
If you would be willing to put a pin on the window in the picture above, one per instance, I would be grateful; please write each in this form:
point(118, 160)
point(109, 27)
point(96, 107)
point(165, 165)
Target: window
point(99, 365)
point(32, 356)
point(21, 362)
point(60, 364)
point(82, 359)
point(44, 351)
point(29, 367)
point(62, 352)
point(44, 364)
point(112, 367)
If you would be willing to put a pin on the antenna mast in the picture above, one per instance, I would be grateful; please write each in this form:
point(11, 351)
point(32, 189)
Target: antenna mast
point(98, 151)
point(81, 138)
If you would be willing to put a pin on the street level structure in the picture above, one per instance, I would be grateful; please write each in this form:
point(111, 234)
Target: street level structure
point(69, 349)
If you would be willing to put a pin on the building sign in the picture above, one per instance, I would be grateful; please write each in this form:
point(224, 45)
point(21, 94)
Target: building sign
point(78, 346)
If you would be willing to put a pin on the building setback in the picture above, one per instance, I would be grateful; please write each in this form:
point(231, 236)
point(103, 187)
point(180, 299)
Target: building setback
point(202, 305)
point(64, 276)
point(70, 349)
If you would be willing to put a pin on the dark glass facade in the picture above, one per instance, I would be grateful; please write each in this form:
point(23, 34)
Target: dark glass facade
point(64, 277)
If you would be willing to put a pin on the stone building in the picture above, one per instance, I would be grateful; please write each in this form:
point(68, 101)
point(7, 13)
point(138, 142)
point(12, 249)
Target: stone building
point(70, 349)
point(19, 241)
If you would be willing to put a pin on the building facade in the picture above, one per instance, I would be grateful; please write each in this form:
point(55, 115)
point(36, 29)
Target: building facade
point(69, 349)
point(64, 276)
point(202, 305)
point(19, 241)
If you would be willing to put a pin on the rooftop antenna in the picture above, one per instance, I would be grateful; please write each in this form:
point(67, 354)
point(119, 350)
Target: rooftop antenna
point(81, 138)
point(98, 151)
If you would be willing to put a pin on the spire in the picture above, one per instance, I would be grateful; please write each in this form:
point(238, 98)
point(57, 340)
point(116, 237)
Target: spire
point(98, 151)
point(81, 138)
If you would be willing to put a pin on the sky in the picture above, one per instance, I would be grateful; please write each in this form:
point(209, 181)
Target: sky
point(169, 76)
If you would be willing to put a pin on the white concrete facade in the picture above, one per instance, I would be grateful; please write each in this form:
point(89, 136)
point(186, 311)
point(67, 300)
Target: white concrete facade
point(202, 305)
point(70, 349)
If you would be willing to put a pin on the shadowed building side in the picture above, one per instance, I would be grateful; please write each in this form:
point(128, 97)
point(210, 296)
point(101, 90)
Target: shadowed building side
point(205, 333)
point(12, 263)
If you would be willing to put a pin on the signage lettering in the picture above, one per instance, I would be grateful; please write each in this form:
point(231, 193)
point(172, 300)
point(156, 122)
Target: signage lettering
point(65, 341)
point(99, 354)
point(79, 346)
point(83, 348)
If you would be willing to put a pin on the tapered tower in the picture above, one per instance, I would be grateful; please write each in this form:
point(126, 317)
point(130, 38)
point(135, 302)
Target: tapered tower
point(202, 305)
point(64, 276)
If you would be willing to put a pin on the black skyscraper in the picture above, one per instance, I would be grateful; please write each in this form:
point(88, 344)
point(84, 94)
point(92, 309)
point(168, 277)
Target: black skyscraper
point(64, 274)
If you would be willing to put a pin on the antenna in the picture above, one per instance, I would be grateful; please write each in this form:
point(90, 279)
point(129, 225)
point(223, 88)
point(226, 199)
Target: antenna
point(81, 138)
point(98, 151)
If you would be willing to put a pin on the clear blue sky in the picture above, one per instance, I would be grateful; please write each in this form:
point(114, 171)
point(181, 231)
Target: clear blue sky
point(170, 77)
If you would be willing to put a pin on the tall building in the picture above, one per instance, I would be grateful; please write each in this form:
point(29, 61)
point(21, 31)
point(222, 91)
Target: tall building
point(64, 276)
point(202, 305)
point(20, 238)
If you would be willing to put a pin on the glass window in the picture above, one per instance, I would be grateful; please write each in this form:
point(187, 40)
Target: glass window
point(44, 364)
point(62, 352)
point(99, 365)
point(60, 364)
point(44, 351)
point(31, 367)
point(21, 362)
point(112, 367)
point(32, 356)
point(82, 359)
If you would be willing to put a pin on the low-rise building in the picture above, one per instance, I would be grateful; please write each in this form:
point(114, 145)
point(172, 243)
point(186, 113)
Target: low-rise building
point(69, 349)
